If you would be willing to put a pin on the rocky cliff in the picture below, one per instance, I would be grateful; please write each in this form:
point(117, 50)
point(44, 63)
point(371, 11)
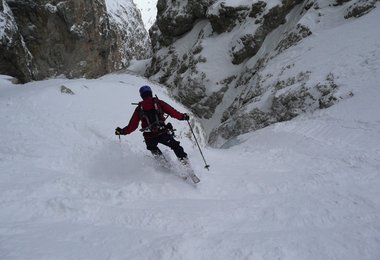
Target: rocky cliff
point(238, 64)
point(81, 38)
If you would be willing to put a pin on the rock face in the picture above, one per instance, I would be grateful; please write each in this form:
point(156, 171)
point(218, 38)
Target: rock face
point(132, 40)
point(217, 57)
point(81, 38)
point(15, 58)
point(178, 17)
point(360, 8)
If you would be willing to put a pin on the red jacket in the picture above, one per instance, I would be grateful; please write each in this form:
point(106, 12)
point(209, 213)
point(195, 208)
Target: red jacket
point(148, 104)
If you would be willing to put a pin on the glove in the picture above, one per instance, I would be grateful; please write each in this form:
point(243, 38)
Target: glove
point(185, 117)
point(169, 126)
point(118, 131)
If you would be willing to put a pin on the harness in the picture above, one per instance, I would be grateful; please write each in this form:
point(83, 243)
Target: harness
point(154, 118)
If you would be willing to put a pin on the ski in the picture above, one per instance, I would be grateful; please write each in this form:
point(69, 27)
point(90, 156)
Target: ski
point(189, 171)
point(194, 178)
point(190, 175)
point(165, 163)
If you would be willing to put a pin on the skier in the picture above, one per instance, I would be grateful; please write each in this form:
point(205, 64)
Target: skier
point(150, 112)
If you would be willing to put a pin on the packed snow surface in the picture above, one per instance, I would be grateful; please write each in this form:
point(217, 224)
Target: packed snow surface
point(69, 189)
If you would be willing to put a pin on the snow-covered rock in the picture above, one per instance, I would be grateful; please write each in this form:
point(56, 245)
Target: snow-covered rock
point(75, 38)
point(132, 37)
point(238, 64)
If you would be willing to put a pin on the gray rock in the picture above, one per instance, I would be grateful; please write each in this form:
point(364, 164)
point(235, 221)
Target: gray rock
point(227, 17)
point(177, 18)
point(293, 37)
point(285, 105)
point(66, 90)
point(269, 21)
point(341, 2)
point(257, 9)
point(15, 58)
point(73, 38)
point(359, 8)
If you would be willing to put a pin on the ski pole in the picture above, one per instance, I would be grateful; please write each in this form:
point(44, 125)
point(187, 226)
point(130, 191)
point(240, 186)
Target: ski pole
point(200, 150)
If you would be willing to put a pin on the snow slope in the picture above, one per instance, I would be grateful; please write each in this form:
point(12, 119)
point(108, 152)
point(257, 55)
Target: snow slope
point(148, 11)
point(69, 189)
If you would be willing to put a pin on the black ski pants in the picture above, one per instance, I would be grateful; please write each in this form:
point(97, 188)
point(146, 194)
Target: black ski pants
point(168, 140)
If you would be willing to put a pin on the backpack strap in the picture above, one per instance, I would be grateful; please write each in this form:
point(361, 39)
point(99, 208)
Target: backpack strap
point(156, 106)
point(141, 110)
point(158, 123)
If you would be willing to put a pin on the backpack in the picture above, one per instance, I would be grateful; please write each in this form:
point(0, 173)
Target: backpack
point(153, 117)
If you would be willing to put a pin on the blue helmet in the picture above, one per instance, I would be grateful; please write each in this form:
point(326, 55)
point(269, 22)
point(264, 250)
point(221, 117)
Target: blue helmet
point(145, 90)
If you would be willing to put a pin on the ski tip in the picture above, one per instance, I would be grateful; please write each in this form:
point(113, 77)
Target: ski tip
point(195, 179)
